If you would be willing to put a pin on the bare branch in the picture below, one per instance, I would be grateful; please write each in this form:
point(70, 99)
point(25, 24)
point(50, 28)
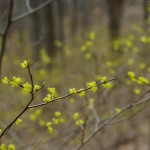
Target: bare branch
point(96, 118)
point(28, 13)
point(14, 135)
point(108, 121)
point(67, 95)
point(33, 97)
point(28, 6)
point(5, 34)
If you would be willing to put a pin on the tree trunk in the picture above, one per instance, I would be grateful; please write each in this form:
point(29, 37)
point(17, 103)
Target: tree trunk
point(48, 30)
point(115, 14)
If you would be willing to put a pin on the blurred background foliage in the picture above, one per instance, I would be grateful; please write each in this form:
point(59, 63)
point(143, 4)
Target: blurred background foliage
point(69, 43)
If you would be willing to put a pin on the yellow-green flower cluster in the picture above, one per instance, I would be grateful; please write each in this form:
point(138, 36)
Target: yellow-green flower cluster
point(117, 110)
point(51, 90)
point(51, 94)
point(79, 122)
point(49, 127)
point(26, 88)
point(81, 92)
point(5, 80)
point(92, 85)
point(36, 87)
point(103, 79)
point(24, 64)
point(5, 147)
point(72, 91)
point(140, 80)
point(132, 76)
point(116, 44)
point(106, 84)
point(58, 119)
point(88, 43)
point(91, 103)
point(15, 81)
point(137, 91)
point(42, 123)
point(45, 59)
point(35, 114)
point(57, 113)
point(48, 98)
point(145, 39)
point(18, 121)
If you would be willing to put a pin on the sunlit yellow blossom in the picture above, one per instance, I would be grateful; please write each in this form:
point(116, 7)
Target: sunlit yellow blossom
point(24, 64)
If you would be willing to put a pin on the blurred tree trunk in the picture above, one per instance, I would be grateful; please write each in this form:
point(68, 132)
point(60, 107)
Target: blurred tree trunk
point(48, 30)
point(53, 26)
point(74, 12)
point(46, 27)
point(60, 19)
point(86, 14)
point(3, 15)
point(115, 14)
point(146, 8)
point(35, 27)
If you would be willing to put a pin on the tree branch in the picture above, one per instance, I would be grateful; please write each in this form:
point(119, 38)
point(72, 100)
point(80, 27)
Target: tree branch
point(28, 6)
point(28, 13)
point(105, 123)
point(5, 34)
point(67, 95)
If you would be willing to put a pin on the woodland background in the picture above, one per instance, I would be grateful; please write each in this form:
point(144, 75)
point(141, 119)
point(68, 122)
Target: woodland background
point(69, 43)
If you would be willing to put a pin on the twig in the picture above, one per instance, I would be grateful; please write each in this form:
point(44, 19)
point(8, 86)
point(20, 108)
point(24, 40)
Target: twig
point(14, 135)
point(33, 95)
point(67, 95)
point(96, 118)
point(39, 141)
point(127, 107)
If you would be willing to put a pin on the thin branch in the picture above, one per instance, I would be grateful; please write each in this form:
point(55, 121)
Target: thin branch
point(5, 34)
point(14, 135)
point(28, 13)
point(127, 107)
point(31, 80)
point(96, 118)
point(67, 95)
point(39, 141)
point(83, 130)
point(33, 97)
point(18, 116)
point(28, 6)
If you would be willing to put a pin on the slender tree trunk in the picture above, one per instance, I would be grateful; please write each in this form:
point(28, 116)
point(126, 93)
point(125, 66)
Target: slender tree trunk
point(115, 14)
point(60, 9)
point(4, 35)
point(35, 27)
point(86, 14)
point(74, 11)
point(146, 8)
point(48, 30)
